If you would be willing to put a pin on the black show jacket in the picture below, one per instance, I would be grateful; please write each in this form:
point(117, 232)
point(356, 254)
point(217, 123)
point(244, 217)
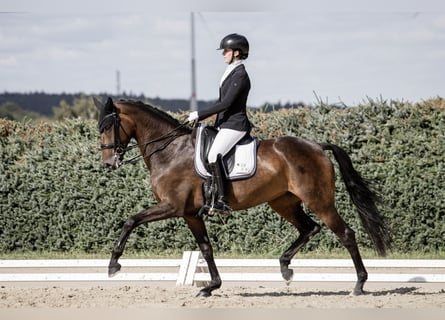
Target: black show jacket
point(231, 106)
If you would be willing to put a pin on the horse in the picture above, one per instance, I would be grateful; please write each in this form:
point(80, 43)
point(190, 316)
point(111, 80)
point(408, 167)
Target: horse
point(291, 171)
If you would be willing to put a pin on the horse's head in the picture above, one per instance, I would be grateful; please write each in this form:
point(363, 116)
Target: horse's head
point(113, 134)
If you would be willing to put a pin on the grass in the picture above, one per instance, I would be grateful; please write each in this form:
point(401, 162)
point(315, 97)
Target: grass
point(317, 254)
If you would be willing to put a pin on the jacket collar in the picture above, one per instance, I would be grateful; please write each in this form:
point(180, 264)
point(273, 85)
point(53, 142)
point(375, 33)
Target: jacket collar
point(229, 70)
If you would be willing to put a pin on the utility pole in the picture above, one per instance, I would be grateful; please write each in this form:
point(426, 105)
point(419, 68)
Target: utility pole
point(193, 99)
point(118, 82)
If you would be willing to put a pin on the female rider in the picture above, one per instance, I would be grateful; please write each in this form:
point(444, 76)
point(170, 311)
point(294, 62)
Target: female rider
point(231, 120)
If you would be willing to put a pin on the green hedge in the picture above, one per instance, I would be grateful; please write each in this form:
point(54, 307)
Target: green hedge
point(55, 196)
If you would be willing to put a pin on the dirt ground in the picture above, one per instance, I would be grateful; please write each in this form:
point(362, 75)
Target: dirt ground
point(131, 301)
point(319, 295)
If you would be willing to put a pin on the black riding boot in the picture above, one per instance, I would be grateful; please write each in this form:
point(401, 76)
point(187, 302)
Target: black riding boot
point(207, 192)
point(218, 176)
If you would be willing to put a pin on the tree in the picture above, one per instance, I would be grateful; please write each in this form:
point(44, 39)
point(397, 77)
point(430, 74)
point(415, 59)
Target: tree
point(82, 107)
point(12, 111)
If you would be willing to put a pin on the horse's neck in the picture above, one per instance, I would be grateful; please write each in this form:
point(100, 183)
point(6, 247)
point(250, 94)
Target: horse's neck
point(152, 132)
point(161, 154)
point(153, 135)
point(149, 126)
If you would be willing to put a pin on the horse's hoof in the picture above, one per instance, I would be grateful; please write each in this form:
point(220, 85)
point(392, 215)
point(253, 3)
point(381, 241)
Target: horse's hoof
point(357, 292)
point(288, 275)
point(204, 294)
point(113, 270)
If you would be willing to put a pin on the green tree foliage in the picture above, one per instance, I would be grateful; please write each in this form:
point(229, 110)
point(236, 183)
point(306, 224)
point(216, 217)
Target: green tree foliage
point(12, 111)
point(82, 107)
point(55, 196)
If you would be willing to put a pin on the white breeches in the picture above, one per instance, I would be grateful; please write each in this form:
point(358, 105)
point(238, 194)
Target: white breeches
point(224, 142)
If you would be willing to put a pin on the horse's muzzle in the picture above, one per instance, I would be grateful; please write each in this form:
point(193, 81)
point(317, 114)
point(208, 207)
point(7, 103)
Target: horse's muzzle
point(109, 166)
point(112, 163)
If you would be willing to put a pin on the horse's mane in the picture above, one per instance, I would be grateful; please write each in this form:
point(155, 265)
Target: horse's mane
point(149, 108)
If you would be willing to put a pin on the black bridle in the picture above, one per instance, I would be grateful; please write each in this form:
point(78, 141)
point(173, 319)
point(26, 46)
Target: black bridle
point(119, 148)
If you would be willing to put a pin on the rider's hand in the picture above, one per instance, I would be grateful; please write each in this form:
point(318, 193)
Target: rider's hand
point(193, 116)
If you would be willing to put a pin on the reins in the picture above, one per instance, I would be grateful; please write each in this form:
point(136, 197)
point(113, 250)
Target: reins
point(171, 135)
point(120, 149)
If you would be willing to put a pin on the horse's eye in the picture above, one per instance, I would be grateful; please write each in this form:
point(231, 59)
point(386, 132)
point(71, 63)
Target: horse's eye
point(105, 127)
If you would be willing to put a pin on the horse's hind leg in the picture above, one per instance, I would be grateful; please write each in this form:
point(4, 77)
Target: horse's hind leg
point(289, 207)
point(347, 237)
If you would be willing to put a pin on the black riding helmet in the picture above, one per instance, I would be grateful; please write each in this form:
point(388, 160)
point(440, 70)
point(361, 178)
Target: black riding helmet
point(235, 41)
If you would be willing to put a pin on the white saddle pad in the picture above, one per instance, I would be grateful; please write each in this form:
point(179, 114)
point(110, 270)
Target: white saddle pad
point(244, 161)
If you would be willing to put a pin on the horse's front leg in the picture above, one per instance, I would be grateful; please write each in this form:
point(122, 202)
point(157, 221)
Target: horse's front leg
point(159, 212)
point(197, 226)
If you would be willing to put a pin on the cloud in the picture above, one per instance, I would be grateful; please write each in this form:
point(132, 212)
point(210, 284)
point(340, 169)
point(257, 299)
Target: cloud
point(8, 61)
point(346, 55)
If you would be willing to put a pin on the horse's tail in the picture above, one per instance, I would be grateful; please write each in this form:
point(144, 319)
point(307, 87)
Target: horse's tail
point(363, 198)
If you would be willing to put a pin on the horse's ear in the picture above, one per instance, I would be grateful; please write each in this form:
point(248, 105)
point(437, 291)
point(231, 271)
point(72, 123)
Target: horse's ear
point(109, 102)
point(97, 103)
point(109, 106)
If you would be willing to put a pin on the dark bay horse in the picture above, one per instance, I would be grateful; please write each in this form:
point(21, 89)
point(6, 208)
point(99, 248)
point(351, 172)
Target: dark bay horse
point(290, 171)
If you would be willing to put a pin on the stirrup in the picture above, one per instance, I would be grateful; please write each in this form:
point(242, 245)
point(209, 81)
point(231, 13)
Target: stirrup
point(220, 207)
point(204, 210)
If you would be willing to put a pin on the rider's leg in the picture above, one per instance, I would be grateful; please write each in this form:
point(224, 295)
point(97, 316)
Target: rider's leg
point(219, 181)
point(224, 141)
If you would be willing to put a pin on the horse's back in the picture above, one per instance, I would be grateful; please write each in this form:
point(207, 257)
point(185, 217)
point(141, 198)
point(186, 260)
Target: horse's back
point(292, 149)
point(300, 163)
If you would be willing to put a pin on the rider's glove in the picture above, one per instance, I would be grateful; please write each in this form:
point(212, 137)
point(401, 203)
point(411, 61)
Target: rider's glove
point(193, 116)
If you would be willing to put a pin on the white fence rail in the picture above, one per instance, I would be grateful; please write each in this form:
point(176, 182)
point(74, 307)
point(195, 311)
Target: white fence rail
point(191, 269)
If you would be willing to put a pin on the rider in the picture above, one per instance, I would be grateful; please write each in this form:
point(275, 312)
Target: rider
point(231, 121)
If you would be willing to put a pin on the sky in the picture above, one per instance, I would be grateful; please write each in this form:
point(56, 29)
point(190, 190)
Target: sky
point(298, 52)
